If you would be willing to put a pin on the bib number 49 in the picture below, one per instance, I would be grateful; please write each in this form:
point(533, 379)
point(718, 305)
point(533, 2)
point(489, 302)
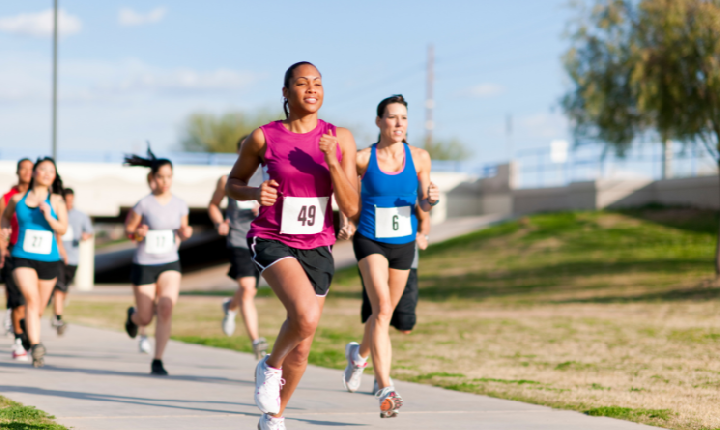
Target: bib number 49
point(303, 215)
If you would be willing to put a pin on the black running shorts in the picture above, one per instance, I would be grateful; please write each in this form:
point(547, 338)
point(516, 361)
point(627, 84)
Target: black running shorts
point(46, 270)
point(318, 263)
point(404, 316)
point(66, 274)
point(14, 297)
point(145, 275)
point(399, 256)
point(241, 264)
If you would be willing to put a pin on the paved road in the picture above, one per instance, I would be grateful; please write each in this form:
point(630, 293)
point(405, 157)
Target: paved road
point(96, 379)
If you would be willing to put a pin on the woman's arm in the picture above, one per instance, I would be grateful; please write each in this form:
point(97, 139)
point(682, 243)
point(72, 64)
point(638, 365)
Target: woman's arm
point(251, 153)
point(185, 231)
point(5, 226)
point(133, 229)
point(60, 224)
point(343, 175)
point(214, 212)
point(428, 193)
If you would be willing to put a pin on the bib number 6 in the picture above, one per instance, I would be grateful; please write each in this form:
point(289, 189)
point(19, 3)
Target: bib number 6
point(393, 222)
point(303, 215)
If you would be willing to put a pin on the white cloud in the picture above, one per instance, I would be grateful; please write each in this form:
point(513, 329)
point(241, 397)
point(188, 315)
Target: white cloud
point(188, 79)
point(129, 18)
point(484, 90)
point(40, 24)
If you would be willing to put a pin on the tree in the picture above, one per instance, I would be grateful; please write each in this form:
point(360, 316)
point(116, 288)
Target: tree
point(203, 132)
point(647, 66)
point(451, 150)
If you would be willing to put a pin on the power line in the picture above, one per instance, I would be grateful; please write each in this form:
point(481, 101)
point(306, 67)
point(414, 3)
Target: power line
point(406, 74)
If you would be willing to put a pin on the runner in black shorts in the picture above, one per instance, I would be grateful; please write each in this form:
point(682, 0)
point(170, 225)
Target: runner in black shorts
point(15, 301)
point(235, 226)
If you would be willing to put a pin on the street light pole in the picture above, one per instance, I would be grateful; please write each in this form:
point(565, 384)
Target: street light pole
point(54, 84)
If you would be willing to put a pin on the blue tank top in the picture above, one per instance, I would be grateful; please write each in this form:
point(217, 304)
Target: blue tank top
point(388, 202)
point(36, 239)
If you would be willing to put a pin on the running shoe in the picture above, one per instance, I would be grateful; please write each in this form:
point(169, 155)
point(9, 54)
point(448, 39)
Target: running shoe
point(156, 368)
point(228, 322)
point(7, 323)
point(130, 327)
point(18, 351)
point(375, 385)
point(38, 355)
point(260, 347)
point(268, 422)
point(268, 383)
point(390, 402)
point(54, 322)
point(144, 344)
point(353, 372)
point(61, 327)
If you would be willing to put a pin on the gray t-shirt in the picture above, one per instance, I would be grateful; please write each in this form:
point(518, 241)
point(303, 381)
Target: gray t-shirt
point(160, 245)
point(240, 216)
point(78, 223)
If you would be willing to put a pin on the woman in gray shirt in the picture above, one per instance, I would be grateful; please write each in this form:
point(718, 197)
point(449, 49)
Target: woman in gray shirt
point(158, 223)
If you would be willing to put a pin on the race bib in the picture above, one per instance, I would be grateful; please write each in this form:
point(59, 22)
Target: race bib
point(303, 215)
point(159, 241)
point(246, 204)
point(393, 222)
point(38, 242)
point(69, 234)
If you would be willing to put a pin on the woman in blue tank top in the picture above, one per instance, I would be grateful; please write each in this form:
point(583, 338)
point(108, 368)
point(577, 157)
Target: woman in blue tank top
point(395, 178)
point(42, 218)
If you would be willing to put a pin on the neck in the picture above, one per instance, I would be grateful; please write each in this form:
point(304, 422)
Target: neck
point(301, 123)
point(40, 190)
point(389, 145)
point(23, 187)
point(162, 194)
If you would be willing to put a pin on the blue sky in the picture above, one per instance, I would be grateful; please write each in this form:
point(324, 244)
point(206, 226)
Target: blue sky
point(133, 70)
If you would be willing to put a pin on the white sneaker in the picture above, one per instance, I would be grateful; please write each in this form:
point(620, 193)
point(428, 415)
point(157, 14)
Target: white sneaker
point(390, 402)
point(268, 383)
point(228, 322)
point(144, 345)
point(7, 323)
point(271, 423)
point(18, 351)
point(375, 385)
point(353, 372)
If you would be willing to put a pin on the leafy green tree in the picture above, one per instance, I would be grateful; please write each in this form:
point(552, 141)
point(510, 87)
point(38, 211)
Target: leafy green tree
point(646, 66)
point(203, 132)
point(450, 150)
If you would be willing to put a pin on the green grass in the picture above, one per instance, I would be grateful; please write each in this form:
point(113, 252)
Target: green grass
point(15, 416)
point(629, 413)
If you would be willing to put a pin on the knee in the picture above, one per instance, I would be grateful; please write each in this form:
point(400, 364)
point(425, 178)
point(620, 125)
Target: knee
point(306, 324)
point(143, 319)
point(164, 309)
point(247, 293)
point(384, 314)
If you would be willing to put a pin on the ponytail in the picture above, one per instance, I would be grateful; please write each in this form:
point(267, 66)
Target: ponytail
point(150, 161)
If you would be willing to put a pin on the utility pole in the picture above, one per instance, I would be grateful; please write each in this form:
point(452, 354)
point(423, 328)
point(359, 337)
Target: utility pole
point(429, 102)
point(508, 134)
point(54, 85)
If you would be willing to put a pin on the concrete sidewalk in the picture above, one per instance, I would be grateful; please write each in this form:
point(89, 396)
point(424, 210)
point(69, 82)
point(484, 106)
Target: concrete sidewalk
point(96, 379)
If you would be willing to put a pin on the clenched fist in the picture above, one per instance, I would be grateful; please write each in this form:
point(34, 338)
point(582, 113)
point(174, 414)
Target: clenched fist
point(433, 193)
point(267, 193)
point(328, 145)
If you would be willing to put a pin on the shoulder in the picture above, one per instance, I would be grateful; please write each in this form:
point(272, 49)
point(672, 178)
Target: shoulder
point(16, 198)
point(180, 202)
point(56, 199)
point(363, 155)
point(420, 155)
point(345, 138)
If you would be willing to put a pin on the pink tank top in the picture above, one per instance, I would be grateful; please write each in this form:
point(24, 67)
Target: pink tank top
point(304, 192)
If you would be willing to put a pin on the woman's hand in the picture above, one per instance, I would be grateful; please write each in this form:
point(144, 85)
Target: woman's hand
point(433, 193)
point(347, 231)
point(422, 241)
point(46, 210)
point(328, 145)
point(223, 228)
point(141, 232)
point(185, 232)
point(267, 193)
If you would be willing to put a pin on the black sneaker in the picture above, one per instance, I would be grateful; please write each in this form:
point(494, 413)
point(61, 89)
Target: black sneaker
point(24, 335)
point(130, 327)
point(156, 368)
point(38, 355)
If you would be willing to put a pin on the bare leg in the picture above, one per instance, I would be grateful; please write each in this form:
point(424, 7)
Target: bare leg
point(18, 313)
point(37, 293)
point(168, 286)
point(144, 304)
point(290, 283)
point(365, 346)
point(59, 302)
point(244, 299)
point(384, 287)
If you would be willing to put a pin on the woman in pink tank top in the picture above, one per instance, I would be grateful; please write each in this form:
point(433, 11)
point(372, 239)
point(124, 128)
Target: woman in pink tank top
point(307, 161)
